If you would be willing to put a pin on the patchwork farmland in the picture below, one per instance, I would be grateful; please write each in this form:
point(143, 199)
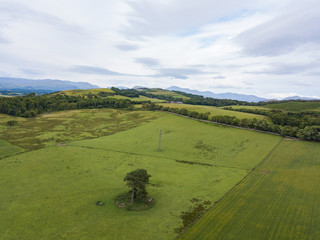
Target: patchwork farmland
point(253, 185)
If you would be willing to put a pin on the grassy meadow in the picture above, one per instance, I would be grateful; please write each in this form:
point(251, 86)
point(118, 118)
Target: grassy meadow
point(7, 149)
point(279, 200)
point(50, 193)
point(214, 111)
point(140, 98)
point(156, 91)
point(81, 92)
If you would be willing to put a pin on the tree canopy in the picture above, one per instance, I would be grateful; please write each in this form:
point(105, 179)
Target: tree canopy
point(137, 180)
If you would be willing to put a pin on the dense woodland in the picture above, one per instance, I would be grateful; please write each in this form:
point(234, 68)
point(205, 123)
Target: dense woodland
point(31, 105)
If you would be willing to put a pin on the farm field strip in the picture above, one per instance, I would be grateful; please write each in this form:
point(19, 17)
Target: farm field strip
point(295, 106)
point(214, 111)
point(277, 201)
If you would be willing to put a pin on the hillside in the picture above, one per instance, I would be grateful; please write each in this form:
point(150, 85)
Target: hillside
point(41, 85)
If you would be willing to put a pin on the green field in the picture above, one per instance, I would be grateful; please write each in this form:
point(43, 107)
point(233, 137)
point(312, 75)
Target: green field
point(247, 107)
point(140, 98)
point(295, 106)
point(214, 111)
point(50, 193)
point(81, 92)
point(7, 149)
point(279, 200)
point(156, 91)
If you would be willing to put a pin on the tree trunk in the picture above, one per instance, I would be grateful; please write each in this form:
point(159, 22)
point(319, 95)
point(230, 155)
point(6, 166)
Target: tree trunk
point(132, 195)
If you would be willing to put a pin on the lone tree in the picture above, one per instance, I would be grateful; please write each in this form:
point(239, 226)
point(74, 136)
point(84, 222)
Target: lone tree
point(137, 180)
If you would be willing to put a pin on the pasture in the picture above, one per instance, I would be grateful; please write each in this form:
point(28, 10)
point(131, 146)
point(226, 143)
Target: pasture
point(7, 149)
point(50, 193)
point(81, 92)
point(157, 91)
point(140, 98)
point(279, 200)
point(214, 111)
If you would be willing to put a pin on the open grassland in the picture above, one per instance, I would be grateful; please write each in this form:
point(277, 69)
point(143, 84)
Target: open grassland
point(81, 92)
point(51, 193)
point(248, 107)
point(59, 127)
point(7, 149)
point(140, 98)
point(295, 106)
point(214, 111)
point(156, 91)
point(279, 200)
point(190, 140)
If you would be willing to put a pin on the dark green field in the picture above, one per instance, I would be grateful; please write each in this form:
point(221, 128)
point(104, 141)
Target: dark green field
point(279, 200)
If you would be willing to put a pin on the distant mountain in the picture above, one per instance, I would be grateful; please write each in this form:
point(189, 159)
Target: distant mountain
point(299, 98)
point(7, 83)
point(233, 96)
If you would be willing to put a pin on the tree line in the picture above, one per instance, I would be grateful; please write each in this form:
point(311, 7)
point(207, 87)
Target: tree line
point(293, 119)
point(32, 105)
point(311, 133)
point(195, 99)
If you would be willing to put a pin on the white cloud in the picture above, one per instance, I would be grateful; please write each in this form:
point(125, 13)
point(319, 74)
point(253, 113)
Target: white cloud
point(207, 44)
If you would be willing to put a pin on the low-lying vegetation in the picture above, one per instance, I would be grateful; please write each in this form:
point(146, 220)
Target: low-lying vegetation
point(64, 126)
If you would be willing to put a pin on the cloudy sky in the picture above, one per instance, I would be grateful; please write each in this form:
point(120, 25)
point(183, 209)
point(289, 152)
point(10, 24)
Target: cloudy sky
point(267, 48)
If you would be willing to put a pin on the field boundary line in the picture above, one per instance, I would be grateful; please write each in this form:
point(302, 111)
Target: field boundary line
point(154, 156)
point(231, 189)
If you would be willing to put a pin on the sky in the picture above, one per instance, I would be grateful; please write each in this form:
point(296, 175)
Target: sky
point(267, 48)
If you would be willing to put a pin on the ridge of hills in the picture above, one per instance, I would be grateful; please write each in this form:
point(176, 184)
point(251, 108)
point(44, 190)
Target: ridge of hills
point(10, 86)
point(7, 83)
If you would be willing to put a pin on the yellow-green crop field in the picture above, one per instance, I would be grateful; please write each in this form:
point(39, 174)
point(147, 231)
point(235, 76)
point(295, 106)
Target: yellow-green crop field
point(156, 91)
point(140, 98)
point(214, 111)
point(81, 92)
point(278, 200)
